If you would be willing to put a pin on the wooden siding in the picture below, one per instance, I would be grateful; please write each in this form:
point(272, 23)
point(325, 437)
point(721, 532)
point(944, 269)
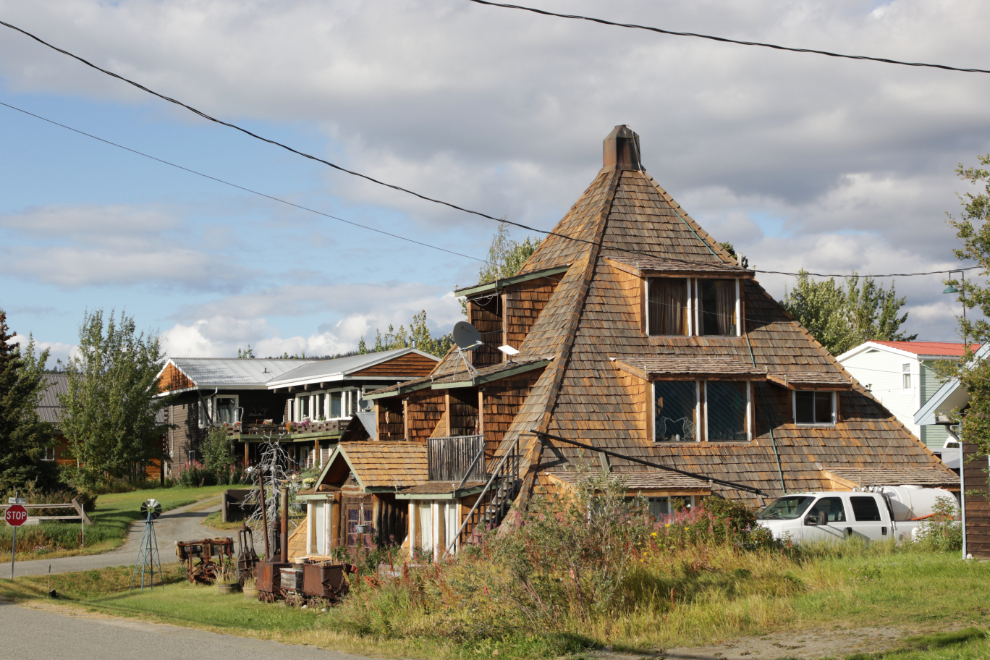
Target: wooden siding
point(502, 402)
point(391, 422)
point(425, 412)
point(523, 304)
point(411, 365)
point(977, 503)
point(486, 315)
point(463, 411)
point(173, 379)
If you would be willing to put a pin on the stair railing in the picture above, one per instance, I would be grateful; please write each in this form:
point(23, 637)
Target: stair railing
point(506, 469)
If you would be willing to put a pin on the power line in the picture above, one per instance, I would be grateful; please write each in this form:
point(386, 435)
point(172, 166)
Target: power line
point(882, 60)
point(415, 194)
point(234, 185)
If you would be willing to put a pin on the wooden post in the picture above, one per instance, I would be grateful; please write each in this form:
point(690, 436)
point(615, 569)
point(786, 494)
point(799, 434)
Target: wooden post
point(446, 407)
point(335, 522)
point(412, 529)
point(405, 419)
point(481, 411)
point(284, 537)
point(317, 463)
point(247, 454)
point(264, 510)
point(310, 527)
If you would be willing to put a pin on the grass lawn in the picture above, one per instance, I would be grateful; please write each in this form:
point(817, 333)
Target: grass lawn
point(935, 597)
point(113, 515)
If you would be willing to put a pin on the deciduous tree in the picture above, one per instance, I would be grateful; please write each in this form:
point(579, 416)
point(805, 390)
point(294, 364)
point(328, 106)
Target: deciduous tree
point(111, 407)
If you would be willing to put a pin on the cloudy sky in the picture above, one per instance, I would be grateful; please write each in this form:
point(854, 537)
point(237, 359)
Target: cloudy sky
point(799, 160)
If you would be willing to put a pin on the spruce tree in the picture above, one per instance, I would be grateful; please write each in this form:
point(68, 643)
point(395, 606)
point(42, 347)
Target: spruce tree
point(24, 438)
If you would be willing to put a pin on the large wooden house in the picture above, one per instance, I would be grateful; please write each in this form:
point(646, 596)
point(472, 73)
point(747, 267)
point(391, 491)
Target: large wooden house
point(308, 405)
point(643, 346)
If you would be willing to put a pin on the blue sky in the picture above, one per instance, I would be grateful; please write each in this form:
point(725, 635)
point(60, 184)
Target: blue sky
point(800, 161)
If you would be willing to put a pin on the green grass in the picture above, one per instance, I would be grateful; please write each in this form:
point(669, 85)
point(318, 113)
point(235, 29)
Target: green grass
point(113, 514)
point(968, 644)
point(215, 520)
point(727, 595)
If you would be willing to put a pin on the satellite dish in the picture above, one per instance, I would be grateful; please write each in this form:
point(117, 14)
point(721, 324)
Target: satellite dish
point(367, 405)
point(508, 351)
point(466, 336)
point(151, 509)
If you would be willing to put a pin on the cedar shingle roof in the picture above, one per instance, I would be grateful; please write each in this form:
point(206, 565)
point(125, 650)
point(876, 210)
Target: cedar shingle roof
point(896, 476)
point(646, 264)
point(593, 314)
point(387, 464)
point(825, 380)
point(642, 480)
point(461, 375)
point(673, 367)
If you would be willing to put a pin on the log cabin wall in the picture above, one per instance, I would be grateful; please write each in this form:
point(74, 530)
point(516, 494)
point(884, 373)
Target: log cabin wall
point(503, 399)
point(463, 411)
point(425, 409)
point(391, 424)
point(486, 315)
point(977, 502)
point(523, 304)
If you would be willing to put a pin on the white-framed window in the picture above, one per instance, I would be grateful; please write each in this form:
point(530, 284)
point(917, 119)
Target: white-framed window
point(322, 406)
point(814, 408)
point(679, 306)
point(688, 410)
point(906, 376)
point(219, 409)
point(49, 454)
point(192, 455)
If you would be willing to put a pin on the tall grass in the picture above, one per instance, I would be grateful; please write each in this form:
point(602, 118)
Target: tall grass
point(593, 568)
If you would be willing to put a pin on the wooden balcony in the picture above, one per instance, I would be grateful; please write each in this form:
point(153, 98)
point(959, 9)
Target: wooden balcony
point(456, 459)
point(290, 432)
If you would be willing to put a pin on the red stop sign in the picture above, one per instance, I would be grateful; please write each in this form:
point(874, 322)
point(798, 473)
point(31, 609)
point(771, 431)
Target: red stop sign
point(16, 515)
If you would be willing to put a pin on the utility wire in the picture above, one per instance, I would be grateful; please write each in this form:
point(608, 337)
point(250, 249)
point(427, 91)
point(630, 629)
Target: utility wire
point(882, 60)
point(415, 194)
point(234, 185)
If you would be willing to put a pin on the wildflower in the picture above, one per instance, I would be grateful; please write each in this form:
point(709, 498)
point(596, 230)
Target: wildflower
point(654, 534)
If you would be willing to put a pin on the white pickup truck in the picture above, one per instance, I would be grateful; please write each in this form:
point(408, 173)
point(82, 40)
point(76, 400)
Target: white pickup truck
point(879, 514)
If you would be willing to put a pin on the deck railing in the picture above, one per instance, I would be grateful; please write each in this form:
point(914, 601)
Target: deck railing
point(457, 459)
point(332, 426)
point(493, 502)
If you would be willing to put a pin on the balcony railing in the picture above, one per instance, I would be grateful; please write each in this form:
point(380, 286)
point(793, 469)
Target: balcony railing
point(457, 459)
point(290, 429)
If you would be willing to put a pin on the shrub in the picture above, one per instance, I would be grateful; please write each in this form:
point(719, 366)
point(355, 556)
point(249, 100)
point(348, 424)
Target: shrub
point(941, 532)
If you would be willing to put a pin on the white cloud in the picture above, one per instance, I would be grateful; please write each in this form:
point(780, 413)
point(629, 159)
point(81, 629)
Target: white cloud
point(57, 350)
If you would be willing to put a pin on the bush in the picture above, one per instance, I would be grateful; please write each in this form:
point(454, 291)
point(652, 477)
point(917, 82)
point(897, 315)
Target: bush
point(60, 496)
point(941, 532)
point(195, 475)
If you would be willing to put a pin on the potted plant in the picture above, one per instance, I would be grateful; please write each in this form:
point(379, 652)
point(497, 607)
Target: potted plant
point(250, 588)
point(226, 576)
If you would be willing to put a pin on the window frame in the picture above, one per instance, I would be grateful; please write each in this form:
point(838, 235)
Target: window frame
point(206, 407)
point(49, 456)
point(835, 409)
point(907, 376)
point(701, 413)
point(694, 327)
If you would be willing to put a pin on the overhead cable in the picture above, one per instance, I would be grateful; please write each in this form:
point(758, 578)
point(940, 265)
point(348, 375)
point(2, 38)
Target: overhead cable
point(234, 185)
point(504, 221)
point(882, 60)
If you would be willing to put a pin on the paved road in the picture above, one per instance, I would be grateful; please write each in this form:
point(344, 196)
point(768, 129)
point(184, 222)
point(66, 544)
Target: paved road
point(176, 525)
point(32, 634)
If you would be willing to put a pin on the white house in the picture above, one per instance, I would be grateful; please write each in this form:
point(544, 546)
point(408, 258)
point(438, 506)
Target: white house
point(900, 374)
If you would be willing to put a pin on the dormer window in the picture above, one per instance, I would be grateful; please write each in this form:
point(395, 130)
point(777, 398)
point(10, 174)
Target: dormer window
point(680, 306)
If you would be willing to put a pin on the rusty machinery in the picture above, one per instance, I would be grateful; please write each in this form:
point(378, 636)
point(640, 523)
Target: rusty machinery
point(205, 550)
point(247, 558)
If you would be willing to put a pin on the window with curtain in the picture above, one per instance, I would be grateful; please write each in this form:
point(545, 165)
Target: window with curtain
point(728, 408)
point(335, 405)
point(320, 406)
point(226, 410)
point(675, 404)
point(717, 312)
point(667, 306)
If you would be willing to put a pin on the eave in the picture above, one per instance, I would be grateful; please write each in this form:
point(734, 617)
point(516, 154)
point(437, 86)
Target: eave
point(488, 287)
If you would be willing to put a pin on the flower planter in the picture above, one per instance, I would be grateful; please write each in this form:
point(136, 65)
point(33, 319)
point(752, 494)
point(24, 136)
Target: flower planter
point(250, 592)
point(224, 589)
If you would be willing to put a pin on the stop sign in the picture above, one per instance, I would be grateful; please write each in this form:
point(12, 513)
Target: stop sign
point(16, 515)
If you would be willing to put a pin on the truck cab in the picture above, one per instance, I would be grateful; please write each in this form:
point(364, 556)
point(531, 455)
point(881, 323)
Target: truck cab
point(835, 516)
